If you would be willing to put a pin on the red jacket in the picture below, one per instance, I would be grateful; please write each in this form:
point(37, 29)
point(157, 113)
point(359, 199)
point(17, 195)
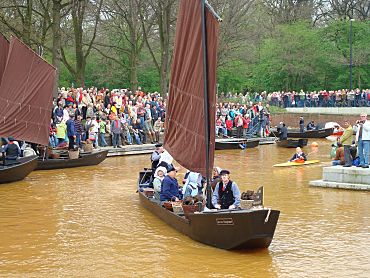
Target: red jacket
point(246, 122)
point(229, 124)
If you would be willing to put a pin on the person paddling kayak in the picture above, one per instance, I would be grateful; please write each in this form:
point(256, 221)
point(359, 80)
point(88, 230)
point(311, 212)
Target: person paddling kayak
point(299, 156)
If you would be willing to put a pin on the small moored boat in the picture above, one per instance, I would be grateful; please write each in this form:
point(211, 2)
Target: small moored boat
point(291, 143)
point(85, 159)
point(17, 170)
point(316, 133)
point(236, 143)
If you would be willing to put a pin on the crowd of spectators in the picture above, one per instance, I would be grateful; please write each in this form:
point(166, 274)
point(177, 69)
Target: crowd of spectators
point(242, 120)
point(119, 116)
point(323, 98)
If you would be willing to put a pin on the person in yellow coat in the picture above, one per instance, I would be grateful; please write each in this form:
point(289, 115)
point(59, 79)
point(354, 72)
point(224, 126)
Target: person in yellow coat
point(346, 140)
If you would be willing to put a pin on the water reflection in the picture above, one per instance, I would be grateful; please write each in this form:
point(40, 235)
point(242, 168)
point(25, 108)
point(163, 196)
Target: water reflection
point(88, 222)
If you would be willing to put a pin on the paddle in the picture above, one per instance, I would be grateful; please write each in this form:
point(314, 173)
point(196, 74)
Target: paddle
point(314, 151)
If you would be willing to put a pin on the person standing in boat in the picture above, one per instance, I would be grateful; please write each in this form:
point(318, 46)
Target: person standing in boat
point(156, 155)
point(299, 156)
point(170, 187)
point(301, 124)
point(283, 134)
point(226, 194)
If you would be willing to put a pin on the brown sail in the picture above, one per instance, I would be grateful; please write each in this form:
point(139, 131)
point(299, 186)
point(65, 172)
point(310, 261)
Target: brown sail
point(185, 127)
point(4, 48)
point(26, 95)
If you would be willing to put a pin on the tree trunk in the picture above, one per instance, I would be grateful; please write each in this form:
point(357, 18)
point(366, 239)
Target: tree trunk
point(165, 24)
point(56, 42)
point(28, 23)
point(134, 52)
point(78, 12)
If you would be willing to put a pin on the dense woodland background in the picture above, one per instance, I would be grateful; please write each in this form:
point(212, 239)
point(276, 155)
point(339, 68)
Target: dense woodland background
point(264, 44)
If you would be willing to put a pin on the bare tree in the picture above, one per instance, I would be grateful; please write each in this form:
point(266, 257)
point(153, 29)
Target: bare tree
point(86, 17)
point(163, 14)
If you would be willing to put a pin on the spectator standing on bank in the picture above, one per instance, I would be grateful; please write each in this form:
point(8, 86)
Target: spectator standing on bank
point(363, 140)
point(116, 131)
point(346, 140)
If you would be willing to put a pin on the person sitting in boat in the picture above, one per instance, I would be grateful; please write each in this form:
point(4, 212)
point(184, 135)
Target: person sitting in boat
point(170, 186)
point(12, 150)
point(311, 126)
point(192, 184)
point(156, 155)
point(299, 156)
point(159, 175)
point(216, 177)
point(226, 194)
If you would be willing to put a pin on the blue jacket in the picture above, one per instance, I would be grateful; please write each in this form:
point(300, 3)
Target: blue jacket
point(71, 130)
point(169, 189)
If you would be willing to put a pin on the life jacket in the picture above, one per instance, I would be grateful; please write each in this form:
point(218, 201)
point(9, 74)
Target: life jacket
point(226, 197)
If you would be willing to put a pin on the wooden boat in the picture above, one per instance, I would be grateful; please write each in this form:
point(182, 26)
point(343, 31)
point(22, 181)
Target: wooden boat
point(316, 133)
point(290, 164)
point(190, 138)
point(236, 143)
point(17, 170)
point(291, 143)
point(85, 159)
point(226, 229)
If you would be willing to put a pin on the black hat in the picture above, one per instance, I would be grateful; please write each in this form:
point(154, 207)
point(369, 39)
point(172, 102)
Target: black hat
point(224, 172)
point(170, 168)
point(158, 145)
point(10, 139)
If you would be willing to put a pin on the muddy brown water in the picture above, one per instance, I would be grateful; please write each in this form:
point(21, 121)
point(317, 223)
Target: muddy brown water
point(87, 222)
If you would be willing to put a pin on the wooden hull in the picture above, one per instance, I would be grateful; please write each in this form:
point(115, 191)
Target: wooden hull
point(17, 172)
point(90, 159)
point(320, 133)
point(291, 143)
point(225, 229)
point(235, 144)
point(290, 164)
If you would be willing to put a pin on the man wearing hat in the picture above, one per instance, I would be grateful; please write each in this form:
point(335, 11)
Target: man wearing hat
point(226, 194)
point(156, 155)
point(170, 186)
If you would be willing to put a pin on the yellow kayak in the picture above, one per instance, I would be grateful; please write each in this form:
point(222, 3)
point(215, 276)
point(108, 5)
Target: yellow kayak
point(288, 164)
